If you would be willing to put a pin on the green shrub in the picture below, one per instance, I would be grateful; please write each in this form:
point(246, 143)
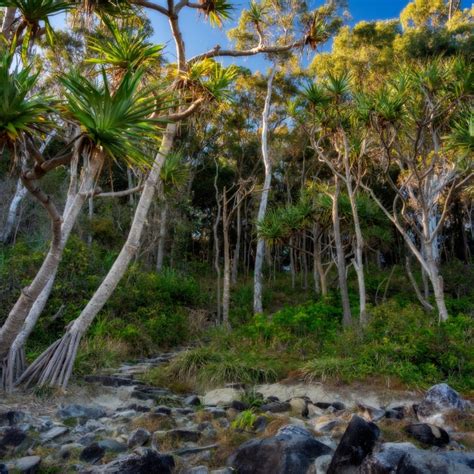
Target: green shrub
point(245, 421)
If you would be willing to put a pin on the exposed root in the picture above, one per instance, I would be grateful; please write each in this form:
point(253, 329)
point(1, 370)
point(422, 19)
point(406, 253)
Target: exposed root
point(12, 367)
point(54, 366)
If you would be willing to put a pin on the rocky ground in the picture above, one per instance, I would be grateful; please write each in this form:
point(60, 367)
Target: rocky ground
point(113, 423)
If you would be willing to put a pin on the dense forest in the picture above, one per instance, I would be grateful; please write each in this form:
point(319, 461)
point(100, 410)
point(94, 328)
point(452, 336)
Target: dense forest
point(146, 200)
point(312, 217)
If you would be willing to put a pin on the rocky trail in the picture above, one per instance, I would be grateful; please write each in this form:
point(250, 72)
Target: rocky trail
point(113, 423)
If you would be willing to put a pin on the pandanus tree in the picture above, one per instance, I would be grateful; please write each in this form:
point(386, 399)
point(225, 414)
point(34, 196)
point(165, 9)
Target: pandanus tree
point(114, 126)
point(335, 136)
point(54, 366)
point(422, 129)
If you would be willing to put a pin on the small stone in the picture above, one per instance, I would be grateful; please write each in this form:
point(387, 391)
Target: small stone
point(197, 470)
point(150, 462)
point(28, 464)
point(139, 408)
point(338, 406)
point(92, 453)
point(239, 406)
point(12, 417)
point(313, 410)
point(67, 450)
point(216, 412)
point(163, 410)
point(221, 396)
point(276, 407)
point(272, 398)
point(12, 437)
point(299, 406)
point(397, 413)
point(192, 400)
point(81, 411)
point(53, 433)
point(112, 445)
point(139, 437)
point(428, 434)
point(370, 413)
point(184, 435)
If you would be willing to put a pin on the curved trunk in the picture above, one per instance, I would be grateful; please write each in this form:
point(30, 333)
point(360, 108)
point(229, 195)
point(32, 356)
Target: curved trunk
point(260, 252)
point(20, 193)
point(24, 304)
point(54, 366)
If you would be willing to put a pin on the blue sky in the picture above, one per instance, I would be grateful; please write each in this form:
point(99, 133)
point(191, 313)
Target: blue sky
point(200, 36)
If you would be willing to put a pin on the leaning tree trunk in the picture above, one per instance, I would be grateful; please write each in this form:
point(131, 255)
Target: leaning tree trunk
point(341, 263)
point(260, 252)
point(72, 209)
point(54, 366)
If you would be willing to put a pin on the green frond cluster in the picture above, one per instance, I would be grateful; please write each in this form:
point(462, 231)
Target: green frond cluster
point(174, 172)
point(217, 11)
point(118, 122)
point(21, 111)
point(125, 49)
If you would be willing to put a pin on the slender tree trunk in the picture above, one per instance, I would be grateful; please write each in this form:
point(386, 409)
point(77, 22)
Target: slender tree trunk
point(226, 280)
point(54, 366)
point(341, 263)
point(12, 216)
point(235, 262)
point(53, 258)
point(215, 228)
point(358, 261)
point(317, 267)
point(260, 252)
point(162, 236)
point(425, 303)
point(437, 283)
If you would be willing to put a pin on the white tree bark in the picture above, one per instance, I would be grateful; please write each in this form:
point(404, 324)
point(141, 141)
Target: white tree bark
point(260, 252)
point(15, 321)
point(340, 258)
point(162, 236)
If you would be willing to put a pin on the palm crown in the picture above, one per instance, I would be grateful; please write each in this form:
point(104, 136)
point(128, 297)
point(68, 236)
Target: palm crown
point(119, 122)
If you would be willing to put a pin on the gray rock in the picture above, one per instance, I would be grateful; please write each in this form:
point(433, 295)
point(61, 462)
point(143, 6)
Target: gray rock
point(81, 411)
point(68, 450)
point(216, 412)
point(112, 445)
point(239, 406)
point(291, 451)
point(321, 464)
point(427, 462)
point(150, 462)
point(11, 417)
point(28, 464)
point(184, 435)
point(53, 433)
point(356, 443)
point(370, 413)
point(276, 407)
point(428, 434)
point(139, 437)
point(12, 437)
point(197, 470)
point(224, 470)
point(163, 410)
point(192, 400)
point(386, 459)
point(92, 453)
point(112, 380)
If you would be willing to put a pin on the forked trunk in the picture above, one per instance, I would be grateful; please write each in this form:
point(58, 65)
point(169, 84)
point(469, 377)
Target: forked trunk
point(54, 366)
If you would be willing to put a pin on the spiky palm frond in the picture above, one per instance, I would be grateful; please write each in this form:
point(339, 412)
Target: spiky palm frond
point(125, 49)
point(256, 12)
point(315, 95)
point(217, 11)
point(174, 172)
point(104, 7)
point(461, 136)
point(21, 110)
point(33, 13)
point(388, 106)
point(271, 228)
point(338, 86)
point(118, 122)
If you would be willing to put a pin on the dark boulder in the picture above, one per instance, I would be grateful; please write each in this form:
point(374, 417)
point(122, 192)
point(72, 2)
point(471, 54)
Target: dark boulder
point(439, 399)
point(386, 459)
point(11, 417)
point(192, 400)
point(428, 434)
point(291, 451)
point(92, 453)
point(427, 462)
point(276, 407)
point(356, 443)
point(239, 406)
point(150, 462)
